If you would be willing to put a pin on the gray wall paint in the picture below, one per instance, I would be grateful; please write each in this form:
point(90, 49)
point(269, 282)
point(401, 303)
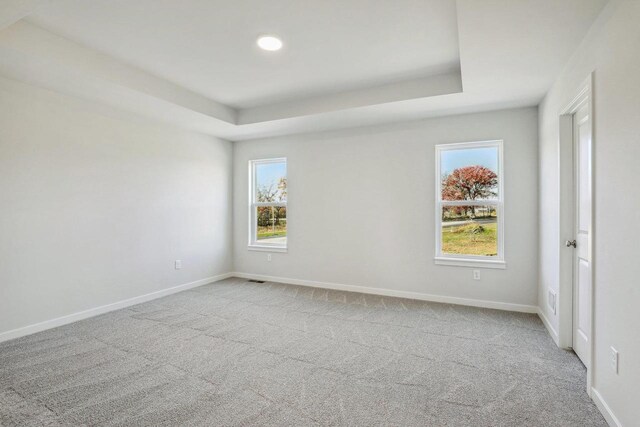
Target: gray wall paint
point(96, 208)
point(611, 51)
point(361, 207)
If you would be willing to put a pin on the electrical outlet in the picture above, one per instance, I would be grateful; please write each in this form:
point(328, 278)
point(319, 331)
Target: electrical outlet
point(178, 264)
point(476, 274)
point(614, 360)
point(551, 301)
point(269, 257)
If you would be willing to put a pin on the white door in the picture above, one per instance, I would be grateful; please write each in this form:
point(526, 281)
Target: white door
point(582, 258)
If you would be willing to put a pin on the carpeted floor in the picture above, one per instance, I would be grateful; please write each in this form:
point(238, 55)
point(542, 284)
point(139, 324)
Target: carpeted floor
point(235, 353)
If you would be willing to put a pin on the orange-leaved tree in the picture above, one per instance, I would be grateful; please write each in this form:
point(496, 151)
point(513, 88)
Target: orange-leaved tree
point(470, 183)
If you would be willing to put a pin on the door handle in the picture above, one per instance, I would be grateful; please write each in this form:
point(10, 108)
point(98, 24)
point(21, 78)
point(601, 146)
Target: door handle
point(570, 243)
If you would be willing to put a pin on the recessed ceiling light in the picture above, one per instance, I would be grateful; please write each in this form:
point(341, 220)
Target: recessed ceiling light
point(269, 43)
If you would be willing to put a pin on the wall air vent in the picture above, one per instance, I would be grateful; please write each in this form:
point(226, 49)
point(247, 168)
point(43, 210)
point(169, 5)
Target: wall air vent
point(551, 300)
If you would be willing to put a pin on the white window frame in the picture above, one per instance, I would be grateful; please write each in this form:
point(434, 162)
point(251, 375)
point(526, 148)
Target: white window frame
point(477, 261)
point(255, 244)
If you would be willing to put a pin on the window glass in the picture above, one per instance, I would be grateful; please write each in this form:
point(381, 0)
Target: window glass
point(268, 210)
point(469, 202)
point(470, 230)
point(469, 174)
point(271, 224)
point(271, 182)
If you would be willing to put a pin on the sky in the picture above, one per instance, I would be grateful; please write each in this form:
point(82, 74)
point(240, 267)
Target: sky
point(270, 173)
point(453, 159)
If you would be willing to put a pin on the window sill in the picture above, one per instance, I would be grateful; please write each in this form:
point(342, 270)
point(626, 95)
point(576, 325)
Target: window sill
point(470, 262)
point(266, 248)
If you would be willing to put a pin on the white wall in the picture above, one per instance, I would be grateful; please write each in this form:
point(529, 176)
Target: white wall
point(361, 209)
point(94, 208)
point(611, 50)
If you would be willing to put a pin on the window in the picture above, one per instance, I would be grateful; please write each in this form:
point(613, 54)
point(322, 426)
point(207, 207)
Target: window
point(469, 205)
point(268, 205)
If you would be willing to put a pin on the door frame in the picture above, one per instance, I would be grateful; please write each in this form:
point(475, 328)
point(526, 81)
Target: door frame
point(567, 202)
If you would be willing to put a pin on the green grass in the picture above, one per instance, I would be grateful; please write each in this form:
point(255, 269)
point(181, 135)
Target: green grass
point(267, 235)
point(471, 239)
point(267, 232)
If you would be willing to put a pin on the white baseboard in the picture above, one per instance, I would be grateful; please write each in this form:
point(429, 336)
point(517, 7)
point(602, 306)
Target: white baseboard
point(549, 326)
point(604, 409)
point(64, 320)
point(394, 293)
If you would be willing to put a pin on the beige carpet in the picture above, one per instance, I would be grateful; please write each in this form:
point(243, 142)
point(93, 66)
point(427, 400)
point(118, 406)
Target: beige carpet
point(237, 354)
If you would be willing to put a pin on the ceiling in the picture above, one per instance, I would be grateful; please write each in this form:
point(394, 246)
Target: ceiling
point(209, 47)
point(345, 63)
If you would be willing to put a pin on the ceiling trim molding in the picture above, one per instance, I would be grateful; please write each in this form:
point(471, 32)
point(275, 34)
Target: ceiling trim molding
point(493, 72)
point(39, 57)
point(440, 84)
point(29, 50)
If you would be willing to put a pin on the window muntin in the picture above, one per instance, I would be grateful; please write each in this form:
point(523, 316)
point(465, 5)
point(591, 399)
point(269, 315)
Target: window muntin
point(268, 204)
point(469, 204)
